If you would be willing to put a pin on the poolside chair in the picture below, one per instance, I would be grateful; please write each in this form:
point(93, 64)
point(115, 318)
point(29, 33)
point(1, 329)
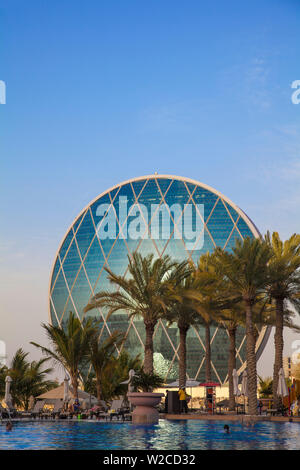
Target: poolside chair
point(25, 414)
point(3, 413)
point(118, 409)
point(11, 412)
point(110, 413)
point(51, 413)
point(104, 412)
point(104, 405)
point(222, 405)
point(36, 411)
point(57, 409)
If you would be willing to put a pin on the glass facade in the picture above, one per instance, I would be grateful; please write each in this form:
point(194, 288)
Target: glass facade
point(155, 214)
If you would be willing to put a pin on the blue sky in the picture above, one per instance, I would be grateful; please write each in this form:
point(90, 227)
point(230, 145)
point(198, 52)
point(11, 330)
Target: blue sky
point(102, 91)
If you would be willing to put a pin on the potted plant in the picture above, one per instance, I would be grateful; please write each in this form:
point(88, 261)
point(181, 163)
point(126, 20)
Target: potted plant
point(144, 400)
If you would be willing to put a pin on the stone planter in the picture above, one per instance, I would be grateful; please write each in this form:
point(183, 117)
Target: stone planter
point(145, 411)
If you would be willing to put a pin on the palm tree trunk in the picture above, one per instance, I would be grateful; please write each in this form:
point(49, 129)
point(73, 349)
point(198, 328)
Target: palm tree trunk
point(99, 390)
point(251, 360)
point(182, 355)
point(207, 354)
point(74, 381)
point(278, 342)
point(148, 360)
point(231, 366)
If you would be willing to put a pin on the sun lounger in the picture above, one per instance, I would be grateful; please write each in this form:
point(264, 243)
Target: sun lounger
point(25, 414)
point(57, 409)
point(103, 404)
point(54, 412)
point(118, 409)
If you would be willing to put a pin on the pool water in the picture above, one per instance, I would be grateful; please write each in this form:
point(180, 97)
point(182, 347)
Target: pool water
point(167, 435)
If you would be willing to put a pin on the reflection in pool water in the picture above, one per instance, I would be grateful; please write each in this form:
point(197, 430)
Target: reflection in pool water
point(167, 435)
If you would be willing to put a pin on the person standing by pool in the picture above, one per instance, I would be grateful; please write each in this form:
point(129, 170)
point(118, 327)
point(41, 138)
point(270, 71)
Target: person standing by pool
point(76, 406)
point(182, 400)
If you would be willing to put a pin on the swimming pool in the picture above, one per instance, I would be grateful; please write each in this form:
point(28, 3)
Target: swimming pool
point(167, 435)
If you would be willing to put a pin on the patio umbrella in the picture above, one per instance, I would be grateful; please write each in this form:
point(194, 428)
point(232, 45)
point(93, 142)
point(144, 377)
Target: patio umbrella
point(236, 390)
point(223, 403)
point(188, 383)
point(244, 390)
point(57, 393)
point(7, 397)
point(66, 389)
point(282, 389)
point(210, 384)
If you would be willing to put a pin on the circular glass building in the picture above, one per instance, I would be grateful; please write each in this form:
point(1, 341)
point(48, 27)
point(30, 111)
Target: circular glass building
point(158, 214)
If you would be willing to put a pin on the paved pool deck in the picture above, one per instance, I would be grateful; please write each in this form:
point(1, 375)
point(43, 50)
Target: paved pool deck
point(230, 417)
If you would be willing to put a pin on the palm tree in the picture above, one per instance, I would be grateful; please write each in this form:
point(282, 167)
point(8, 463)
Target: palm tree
point(233, 317)
point(3, 374)
point(146, 382)
point(115, 372)
point(284, 287)
point(246, 270)
point(264, 314)
point(100, 355)
point(28, 378)
point(144, 294)
point(70, 345)
point(208, 301)
point(181, 310)
point(265, 387)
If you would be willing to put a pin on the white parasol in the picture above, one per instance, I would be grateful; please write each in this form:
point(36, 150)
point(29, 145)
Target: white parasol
point(188, 383)
point(282, 389)
point(8, 397)
point(66, 388)
point(236, 390)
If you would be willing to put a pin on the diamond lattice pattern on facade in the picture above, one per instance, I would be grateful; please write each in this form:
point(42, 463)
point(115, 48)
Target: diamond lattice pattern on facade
point(79, 272)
